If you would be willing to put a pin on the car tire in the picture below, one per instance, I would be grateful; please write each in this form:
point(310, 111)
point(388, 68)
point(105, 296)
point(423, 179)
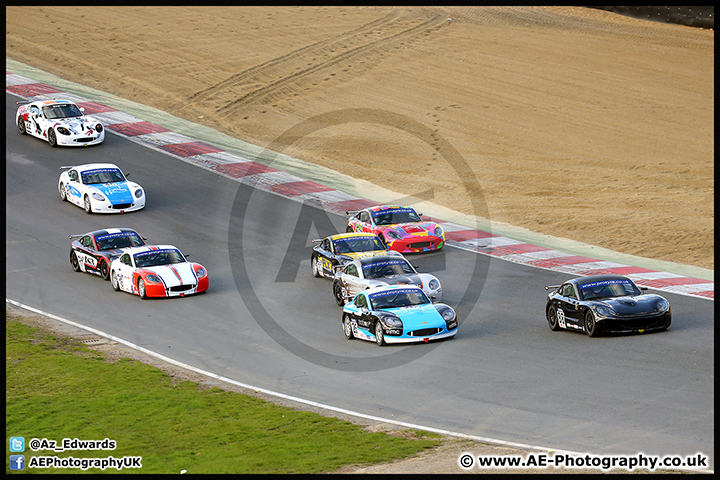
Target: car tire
point(74, 261)
point(347, 327)
point(337, 293)
point(87, 205)
point(141, 289)
point(590, 324)
point(104, 270)
point(21, 126)
point(552, 319)
point(379, 337)
point(316, 266)
point(114, 281)
point(52, 139)
point(63, 192)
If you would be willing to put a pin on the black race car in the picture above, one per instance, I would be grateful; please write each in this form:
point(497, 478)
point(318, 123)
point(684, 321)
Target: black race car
point(336, 250)
point(605, 303)
point(93, 252)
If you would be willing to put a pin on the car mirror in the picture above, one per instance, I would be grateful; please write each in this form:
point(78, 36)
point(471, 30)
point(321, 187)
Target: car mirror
point(643, 288)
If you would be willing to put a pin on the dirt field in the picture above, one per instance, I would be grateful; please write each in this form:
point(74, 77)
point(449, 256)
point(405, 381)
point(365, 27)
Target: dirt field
point(576, 122)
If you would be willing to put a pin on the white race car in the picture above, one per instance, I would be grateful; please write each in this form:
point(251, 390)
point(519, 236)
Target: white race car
point(58, 122)
point(157, 271)
point(100, 188)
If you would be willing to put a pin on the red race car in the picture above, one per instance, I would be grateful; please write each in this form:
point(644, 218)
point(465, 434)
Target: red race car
point(401, 228)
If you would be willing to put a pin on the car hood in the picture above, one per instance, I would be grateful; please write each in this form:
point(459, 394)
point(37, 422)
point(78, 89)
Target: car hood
point(411, 228)
point(411, 279)
point(175, 274)
point(418, 316)
point(118, 192)
point(632, 305)
point(79, 125)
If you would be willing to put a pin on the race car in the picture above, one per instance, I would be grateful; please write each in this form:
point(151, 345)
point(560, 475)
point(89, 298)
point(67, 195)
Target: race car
point(93, 252)
point(58, 122)
point(599, 304)
point(397, 314)
point(336, 250)
point(157, 271)
point(368, 272)
point(400, 228)
point(100, 188)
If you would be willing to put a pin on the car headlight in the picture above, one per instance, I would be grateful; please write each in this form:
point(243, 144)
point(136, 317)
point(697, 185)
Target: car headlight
point(153, 278)
point(138, 193)
point(98, 128)
point(63, 130)
point(392, 320)
point(393, 234)
point(662, 305)
point(98, 196)
point(438, 231)
point(605, 311)
point(433, 284)
point(201, 272)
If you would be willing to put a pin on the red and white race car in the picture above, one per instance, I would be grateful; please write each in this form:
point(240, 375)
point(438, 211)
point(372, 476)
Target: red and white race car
point(58, 122)
point(400, 228)
point(157, 271)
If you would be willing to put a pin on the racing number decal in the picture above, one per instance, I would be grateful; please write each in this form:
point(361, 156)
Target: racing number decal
point(561, 318)
point(327, 264)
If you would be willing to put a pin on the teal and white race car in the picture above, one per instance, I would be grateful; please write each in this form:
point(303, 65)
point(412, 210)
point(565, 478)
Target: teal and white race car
point(397, 314)
point(100, 188)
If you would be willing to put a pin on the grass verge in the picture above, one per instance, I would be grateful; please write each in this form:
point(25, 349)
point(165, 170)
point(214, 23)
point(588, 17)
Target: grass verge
point(57, 388)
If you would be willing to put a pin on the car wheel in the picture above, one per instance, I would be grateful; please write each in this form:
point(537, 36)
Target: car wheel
point(88, 205)
point(74, 261)
point(379, 337)
point(104, 270)
point(52, 140)
point(347, 327)
point(337, 292)
point(590, 324)
point(552, 319)
point(63, 193)
point(141, 289)
point(316, 265)
point(21, 126)
point(114, 281)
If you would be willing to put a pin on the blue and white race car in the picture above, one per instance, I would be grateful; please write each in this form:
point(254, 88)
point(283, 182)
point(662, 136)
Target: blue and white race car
point(397, 314)
point(100, 188)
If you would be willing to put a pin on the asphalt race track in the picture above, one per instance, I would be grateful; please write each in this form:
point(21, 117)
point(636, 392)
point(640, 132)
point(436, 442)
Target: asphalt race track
point(265, 321)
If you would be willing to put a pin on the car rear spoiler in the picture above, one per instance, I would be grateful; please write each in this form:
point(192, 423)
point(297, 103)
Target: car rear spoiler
point(352, 212)
point(66, 166)
point(317, 240)
point(75, 236)
point(548, 287)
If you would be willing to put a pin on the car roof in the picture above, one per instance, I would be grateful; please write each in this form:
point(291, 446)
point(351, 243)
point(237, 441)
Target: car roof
point(379, 258)
point(93, 166)
point(111, 231)
point(148, 248)
point(339, 236)
point(55, 101)
point(384, 288)
point(387, 207)
point(598, 278)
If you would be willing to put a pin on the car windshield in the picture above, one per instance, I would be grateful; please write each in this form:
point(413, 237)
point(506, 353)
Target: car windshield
point(154, 258)
point(102, 175)
point(406, 297)
point(112, 241)
point(387, 268)
point(395, 215)
point(357, 244)
point(608, 288)
point(66, 110)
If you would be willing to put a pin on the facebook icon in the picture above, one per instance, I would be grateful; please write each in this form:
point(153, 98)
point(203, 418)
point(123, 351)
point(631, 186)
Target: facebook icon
point(17, 462)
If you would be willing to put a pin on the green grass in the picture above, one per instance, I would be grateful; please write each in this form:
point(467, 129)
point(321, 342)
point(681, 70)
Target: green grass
point(58, 388)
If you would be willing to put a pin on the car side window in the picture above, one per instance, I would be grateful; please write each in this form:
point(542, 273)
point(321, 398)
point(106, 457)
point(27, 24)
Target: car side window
point(568, 291)
point(125, 259)
point(351, 270)
point(87, 241)
point(365, 217)
point(361, 301)
point(326, 245)
point(34, 110)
